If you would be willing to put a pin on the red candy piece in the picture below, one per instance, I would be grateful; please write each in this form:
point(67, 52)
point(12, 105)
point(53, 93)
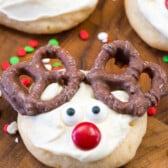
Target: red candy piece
point(5, 65)
point(86, 136)
point(166, 3)
point(33, 43)
point(5, 128)
point(56, 68)
point(21, 52)
point(152, 111)
point(26, 81)
point(84, 35)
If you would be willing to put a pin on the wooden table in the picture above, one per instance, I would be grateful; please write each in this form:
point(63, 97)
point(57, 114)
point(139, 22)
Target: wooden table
point(109, 17)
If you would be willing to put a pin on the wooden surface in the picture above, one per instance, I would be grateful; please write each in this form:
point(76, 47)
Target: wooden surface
point(109, 17)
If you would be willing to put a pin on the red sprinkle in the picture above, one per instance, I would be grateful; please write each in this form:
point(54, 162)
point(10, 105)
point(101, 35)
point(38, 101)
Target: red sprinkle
point(33, 43)
point(5, 128)
point(26, 81)
point(21, 52)
point(152, 110)
point(56, 68)
point(5, 65)
point(84, 35)
point(166, 3)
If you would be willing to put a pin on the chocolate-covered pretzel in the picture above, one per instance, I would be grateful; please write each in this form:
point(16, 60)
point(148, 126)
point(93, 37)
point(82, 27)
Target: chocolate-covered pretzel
point(101, 81)
point(28, 102)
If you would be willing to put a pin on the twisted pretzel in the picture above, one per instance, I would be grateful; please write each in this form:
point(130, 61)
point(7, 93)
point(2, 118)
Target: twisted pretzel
point(28, 102)
point(101, 81)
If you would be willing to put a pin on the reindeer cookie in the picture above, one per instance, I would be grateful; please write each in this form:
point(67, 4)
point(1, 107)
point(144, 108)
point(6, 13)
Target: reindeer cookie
point(73, 118)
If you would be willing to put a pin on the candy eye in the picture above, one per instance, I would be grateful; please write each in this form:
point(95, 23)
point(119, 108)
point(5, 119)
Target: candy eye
point(97, 113)
point(72, 116)
point(96, 109)
point(70, 111)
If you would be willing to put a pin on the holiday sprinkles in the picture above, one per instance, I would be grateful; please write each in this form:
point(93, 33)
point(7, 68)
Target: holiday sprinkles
point(30, 48)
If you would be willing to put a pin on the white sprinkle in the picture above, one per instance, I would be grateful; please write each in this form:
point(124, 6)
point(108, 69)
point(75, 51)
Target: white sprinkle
point(48, 66)
point(105, 40)
point(46, 60)
point(12, 128)
point(0, 93)
point(16, 140)
point(102, 36)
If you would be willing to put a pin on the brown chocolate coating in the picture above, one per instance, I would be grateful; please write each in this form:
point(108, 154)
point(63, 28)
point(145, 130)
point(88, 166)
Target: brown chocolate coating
point(101, 81)
point(28, 102)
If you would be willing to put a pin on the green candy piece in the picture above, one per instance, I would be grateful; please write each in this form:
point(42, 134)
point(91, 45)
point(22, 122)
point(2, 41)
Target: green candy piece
point(56, 64)
point(29, 49)
point(53, 42)
point(14, 60)
point(165, 58)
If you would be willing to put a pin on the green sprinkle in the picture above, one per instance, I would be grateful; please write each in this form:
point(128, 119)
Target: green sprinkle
point(165, 58)
point(14, 60)
point(53, 42)
point(56, 64)
point(29, 49)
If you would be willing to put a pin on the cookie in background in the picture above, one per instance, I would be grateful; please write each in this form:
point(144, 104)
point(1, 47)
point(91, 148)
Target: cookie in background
point(149, 20)
point(44, 17)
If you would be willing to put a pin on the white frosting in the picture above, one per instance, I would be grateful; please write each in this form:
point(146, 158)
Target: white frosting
point(156, 14)
point(52, 132)
point(51, 91)
point(28, 10)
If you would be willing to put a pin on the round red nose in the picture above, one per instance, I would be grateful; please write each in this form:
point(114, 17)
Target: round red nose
point(86, 136)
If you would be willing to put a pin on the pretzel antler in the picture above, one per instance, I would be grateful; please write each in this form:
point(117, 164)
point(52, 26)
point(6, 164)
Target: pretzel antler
point(28, 102)
point(101, 81)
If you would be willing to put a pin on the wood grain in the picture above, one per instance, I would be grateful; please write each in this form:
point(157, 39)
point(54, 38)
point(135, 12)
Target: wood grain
point(110, 17)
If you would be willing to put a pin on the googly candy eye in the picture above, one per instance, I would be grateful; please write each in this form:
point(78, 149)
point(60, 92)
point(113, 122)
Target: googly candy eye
point(97, 113)
point(72, 115)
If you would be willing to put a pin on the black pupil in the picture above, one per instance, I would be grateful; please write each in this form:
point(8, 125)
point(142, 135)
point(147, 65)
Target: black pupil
point(70, 111)
point(96, 109)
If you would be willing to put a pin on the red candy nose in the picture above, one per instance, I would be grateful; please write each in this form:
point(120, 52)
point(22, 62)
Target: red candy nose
point(86, 136)
point(166, 3)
